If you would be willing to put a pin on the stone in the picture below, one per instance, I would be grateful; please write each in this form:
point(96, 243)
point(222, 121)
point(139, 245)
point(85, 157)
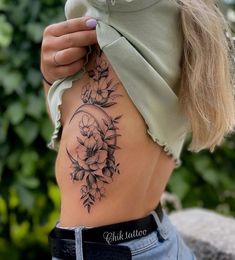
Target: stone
point(211, 236)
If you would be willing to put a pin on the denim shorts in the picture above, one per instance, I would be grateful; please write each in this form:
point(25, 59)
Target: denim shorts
point(164, 243)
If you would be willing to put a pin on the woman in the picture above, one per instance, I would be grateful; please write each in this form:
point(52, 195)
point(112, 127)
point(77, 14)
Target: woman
point(159, 70)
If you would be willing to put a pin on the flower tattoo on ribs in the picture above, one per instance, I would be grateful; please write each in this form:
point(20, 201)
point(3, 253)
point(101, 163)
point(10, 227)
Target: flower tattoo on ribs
point(94, 161)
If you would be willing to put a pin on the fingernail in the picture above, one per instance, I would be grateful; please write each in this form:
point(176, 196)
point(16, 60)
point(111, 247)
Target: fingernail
point(91, 23)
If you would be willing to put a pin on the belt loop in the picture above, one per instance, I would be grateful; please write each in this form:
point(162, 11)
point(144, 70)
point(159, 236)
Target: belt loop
point(162, 225)
point(156, 218)
point(79, 243)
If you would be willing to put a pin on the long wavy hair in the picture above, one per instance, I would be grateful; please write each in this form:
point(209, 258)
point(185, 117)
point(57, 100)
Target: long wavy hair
point(206, 87)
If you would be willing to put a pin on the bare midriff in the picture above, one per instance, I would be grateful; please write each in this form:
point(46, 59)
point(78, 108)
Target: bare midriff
point(108, 168)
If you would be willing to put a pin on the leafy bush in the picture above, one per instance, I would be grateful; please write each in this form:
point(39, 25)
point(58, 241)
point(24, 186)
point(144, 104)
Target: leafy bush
point(207, 180)
point(29, 198)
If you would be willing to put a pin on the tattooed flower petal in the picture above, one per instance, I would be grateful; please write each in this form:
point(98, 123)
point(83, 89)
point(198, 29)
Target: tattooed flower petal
point(92, 160)
point(102, 156)
point(98, 190)
point(107, 173)
point(86, 92)
point(100, 71)
point(93, 154)
point(82, 152)
point(87, 125)
point(100, 93)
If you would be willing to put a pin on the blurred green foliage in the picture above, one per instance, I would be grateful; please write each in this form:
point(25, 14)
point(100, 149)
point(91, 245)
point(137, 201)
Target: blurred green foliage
point(29, 198)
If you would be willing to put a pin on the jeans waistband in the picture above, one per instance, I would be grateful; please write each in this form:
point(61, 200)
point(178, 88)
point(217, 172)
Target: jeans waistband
point(115, 233)
point(65, 242)
point(122, 5)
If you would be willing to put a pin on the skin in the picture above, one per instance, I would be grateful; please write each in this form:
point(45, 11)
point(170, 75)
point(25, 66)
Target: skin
point(140, 167)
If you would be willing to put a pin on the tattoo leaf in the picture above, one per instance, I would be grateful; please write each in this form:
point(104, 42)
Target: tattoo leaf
point(112, 88)
point(80, 175)
point(108, 173)
point(83, 196)
point(113, 128)
point(117, 118)
point(109, 83)
point(115, 96)
point(108, 104)
point(80, 141)
point(115, 147)
point(86, 200)
point(111, 137)
point(89, 208)
point(105, 122)
point(92, 197)
point(104, 73)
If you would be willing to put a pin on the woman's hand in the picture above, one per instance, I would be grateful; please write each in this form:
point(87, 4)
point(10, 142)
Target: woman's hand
point(64, 47)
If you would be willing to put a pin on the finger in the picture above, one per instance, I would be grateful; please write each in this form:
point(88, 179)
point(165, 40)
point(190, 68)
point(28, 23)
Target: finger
point(77, 39)
point(69, 70)
point(70, 26)
point(68, 56)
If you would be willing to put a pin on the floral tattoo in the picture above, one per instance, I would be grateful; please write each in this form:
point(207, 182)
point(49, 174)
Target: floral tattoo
point(94, 162)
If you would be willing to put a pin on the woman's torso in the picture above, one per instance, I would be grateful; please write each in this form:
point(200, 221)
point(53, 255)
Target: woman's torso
point(108, 167)
point(105, 137)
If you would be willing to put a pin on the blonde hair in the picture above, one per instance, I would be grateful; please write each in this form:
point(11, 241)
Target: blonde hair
point(206, 87)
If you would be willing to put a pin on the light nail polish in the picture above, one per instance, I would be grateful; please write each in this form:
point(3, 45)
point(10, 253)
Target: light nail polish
point(91, 23)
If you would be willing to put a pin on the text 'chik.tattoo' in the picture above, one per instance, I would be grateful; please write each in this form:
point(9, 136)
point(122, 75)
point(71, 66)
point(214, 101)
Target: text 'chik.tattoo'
point(94, 161)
